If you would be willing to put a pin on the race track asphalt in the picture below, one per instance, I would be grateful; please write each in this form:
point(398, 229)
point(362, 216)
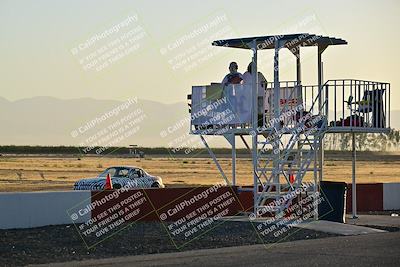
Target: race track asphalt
point(381, 249)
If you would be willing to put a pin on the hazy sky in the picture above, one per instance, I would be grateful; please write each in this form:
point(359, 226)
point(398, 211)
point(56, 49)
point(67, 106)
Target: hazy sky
point(38, 39)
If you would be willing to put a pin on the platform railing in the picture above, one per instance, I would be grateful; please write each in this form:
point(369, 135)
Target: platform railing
point(215, 108)
point(348, 105)
point(357, 104)
point(289, 103)
point(239, 103)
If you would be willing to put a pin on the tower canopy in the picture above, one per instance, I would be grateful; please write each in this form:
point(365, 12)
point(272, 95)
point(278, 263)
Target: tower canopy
point(288, 40)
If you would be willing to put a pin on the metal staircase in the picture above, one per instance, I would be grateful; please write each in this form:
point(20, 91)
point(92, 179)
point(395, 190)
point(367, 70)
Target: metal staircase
point(290, 159)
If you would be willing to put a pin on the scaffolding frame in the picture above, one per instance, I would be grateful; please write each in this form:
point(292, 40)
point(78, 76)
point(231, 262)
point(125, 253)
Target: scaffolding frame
point(292, 153)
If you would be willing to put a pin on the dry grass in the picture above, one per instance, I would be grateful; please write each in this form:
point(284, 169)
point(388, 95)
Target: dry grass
point(59, 173)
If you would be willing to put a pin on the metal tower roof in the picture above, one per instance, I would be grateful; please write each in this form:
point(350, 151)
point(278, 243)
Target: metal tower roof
point(291, 40)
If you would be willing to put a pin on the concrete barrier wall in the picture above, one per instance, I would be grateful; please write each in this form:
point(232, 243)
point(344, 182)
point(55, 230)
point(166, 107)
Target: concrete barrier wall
point(391, 196)
point(166, 200)
point(375, 197)
point(369, 197)
point(34, 209)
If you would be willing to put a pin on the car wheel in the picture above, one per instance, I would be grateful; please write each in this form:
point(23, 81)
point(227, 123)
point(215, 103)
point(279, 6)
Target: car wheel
point(156, 185)
point(116, 186)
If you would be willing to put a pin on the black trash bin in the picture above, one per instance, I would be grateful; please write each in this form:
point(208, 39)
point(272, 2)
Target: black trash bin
point(333, 206)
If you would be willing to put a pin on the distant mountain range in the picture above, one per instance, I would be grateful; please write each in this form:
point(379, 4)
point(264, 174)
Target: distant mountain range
point(52, 121)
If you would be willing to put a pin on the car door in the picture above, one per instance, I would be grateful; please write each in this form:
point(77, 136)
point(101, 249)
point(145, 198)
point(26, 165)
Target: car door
point(122, 176)
point(146, 180)
point(141, 178)
point(134, 177)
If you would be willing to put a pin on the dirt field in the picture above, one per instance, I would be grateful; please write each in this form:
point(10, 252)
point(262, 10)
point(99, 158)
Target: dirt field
point(34, 173)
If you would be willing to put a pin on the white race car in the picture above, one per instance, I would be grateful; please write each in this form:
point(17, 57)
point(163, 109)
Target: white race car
point(121, 176)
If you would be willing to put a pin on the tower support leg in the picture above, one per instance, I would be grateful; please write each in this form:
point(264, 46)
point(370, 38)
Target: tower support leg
point(233, 160)
point(354, 184)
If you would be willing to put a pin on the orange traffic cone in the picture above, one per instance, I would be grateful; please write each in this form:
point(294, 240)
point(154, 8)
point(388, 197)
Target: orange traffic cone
point(108, 185)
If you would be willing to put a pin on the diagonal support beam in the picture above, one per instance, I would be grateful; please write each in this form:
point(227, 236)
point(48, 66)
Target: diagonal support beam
point(232, 141)
point(214, 158)
point(245, 143)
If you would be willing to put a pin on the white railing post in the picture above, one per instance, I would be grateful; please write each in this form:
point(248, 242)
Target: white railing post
point(254, 124)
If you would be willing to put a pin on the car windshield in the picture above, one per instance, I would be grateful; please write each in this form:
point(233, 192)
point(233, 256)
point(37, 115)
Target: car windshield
point(116, 172)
